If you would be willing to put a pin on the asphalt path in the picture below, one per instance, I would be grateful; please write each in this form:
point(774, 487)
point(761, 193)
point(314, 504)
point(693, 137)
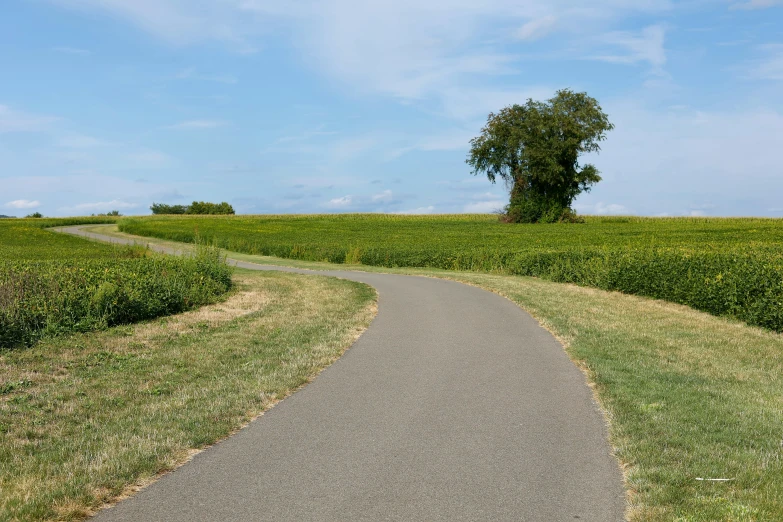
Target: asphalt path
point(454, 405)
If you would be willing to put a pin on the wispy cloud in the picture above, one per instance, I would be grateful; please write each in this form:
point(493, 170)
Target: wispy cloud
point(72, 50)
point(408, 49)
point(198, 125)
point(536, 28)
point(756, 4)
point(79, 141)
point(770, 67)
point(16, 121)
point(603, 209)
point(101, 206)
point(192, 74)
point(644, 46)
point(430, 209)
point(22, 204)
point(484, 207)
point(341, 202)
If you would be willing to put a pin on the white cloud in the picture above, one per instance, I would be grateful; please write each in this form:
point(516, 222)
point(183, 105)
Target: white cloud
point(177, 21)
point(484, 207)
point(15, 121)
point(729, 159)
point(645, 46)
point(472, 103)
point(420, 210)
point(22, 204)
point(342, 202)
point(536, 28)
point(602, 209)
point(384, 196)
point(197, 125)
point(408, 49)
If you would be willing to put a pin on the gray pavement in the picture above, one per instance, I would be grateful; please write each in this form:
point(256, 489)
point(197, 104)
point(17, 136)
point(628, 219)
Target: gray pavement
point(454, 405)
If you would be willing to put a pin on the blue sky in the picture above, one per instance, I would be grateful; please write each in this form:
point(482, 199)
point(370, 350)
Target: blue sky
point(345, 106)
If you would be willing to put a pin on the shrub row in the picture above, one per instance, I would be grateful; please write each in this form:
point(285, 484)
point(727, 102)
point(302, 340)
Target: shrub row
point(50, 297)
point(729, 267)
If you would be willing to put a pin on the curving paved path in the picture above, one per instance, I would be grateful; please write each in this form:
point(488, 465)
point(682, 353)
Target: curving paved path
point(454, 405)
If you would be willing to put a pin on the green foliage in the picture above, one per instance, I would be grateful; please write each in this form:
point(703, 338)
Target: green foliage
point(197, 207)
point(203, 207)
point(34, 215)
point(162, 208)
point(535, 149)
point(53, 283)
point(731, 267)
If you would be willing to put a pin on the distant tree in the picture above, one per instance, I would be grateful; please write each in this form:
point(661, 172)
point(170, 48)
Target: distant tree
point(535, 149)
point(162, 208)
point(197, 207)
point(34, 215)
point(203, 207)
point(113, 213)
point(7, 217)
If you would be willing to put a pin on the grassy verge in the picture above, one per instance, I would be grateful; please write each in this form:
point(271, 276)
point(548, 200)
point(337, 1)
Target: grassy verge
point(689, 395)
point(89, 417)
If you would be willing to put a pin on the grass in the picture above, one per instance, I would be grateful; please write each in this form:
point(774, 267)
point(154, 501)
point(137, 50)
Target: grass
point(724, 266)
point(88, 418)
point(688, 395)
point(52, 284)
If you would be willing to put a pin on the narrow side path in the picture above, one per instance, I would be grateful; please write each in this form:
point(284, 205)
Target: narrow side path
point(454, 405)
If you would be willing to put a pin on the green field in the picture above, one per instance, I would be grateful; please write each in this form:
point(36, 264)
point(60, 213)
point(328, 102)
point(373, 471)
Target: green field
point(687, 395)
point(52, 283)
point(724, 266)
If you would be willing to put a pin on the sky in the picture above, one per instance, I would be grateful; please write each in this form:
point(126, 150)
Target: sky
point(314, 106)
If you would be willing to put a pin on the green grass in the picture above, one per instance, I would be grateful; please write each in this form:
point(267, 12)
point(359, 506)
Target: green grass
point(87, 418)
point(27, 240)
point(727, 267)
point(52, 284)
point(688, 395)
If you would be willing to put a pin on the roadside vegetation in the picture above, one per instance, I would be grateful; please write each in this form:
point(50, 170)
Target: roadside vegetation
point(88, 418)
point(723, 266)
point(689, 396)
point(52, 284)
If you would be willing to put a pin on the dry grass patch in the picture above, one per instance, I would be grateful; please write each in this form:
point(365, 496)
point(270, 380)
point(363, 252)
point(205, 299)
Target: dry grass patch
point(88, 418)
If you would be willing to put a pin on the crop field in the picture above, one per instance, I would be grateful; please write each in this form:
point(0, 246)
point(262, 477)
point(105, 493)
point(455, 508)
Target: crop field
point(724, 266)
point(52, 283)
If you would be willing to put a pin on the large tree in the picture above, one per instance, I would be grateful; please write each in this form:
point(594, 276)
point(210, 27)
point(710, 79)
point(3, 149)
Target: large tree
point(535, 149)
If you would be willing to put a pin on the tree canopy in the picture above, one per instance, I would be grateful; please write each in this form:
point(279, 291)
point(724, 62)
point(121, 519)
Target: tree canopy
point(535, 149)
point(197, 207)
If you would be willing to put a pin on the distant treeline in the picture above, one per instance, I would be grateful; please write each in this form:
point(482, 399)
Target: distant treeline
point(197, 207)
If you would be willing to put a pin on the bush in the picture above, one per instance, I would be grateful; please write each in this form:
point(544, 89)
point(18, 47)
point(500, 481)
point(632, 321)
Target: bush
point(42, 298)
